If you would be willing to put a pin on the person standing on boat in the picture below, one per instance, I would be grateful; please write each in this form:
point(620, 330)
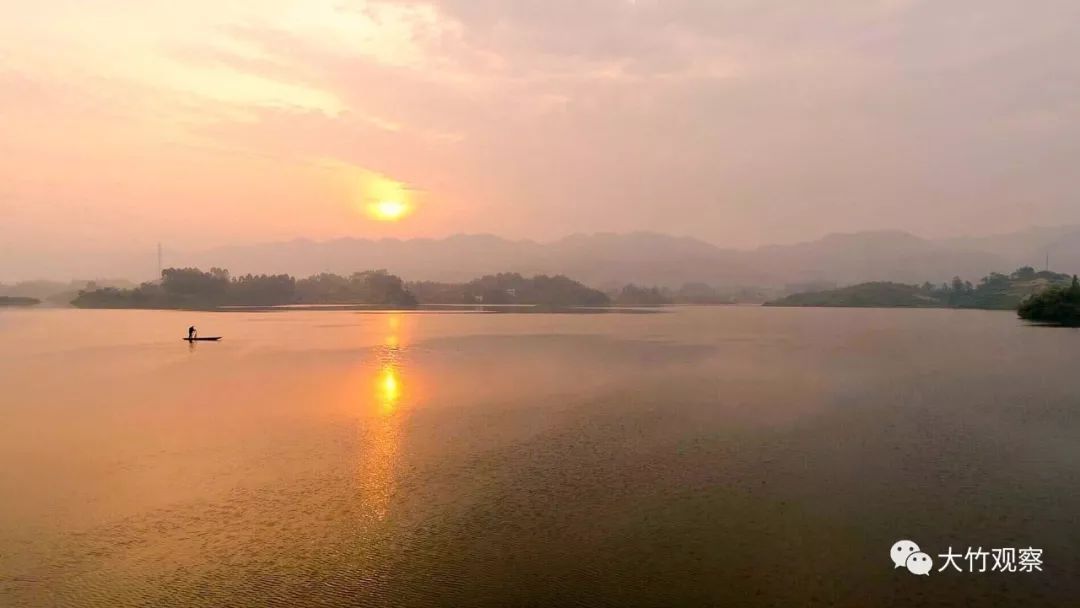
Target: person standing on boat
point(191, 333)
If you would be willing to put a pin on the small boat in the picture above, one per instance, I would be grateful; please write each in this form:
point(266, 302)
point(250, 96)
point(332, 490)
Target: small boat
point(213, 339)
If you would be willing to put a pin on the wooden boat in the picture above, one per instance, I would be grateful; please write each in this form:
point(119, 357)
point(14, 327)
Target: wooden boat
point(213, 339)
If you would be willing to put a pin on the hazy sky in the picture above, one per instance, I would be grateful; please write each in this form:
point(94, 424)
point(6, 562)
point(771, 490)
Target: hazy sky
point(202, 122)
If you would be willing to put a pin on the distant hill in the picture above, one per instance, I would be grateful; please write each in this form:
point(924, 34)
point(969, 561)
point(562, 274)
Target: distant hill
point(608, 260)
point(1029, 247)
point(878, 256)
point(599, 260)
point(864, 295)
point(995, 291)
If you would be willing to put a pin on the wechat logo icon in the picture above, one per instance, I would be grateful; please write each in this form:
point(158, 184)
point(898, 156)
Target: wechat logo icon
point(906, 554)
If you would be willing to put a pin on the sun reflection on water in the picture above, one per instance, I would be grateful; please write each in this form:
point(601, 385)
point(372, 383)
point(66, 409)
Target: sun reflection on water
point(388, 388)
point(382, 431)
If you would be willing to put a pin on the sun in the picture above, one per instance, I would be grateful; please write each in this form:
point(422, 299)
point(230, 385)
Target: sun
point(383, 199)
point(388, 210)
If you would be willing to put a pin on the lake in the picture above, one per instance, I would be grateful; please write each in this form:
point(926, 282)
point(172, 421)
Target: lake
point(736, 456)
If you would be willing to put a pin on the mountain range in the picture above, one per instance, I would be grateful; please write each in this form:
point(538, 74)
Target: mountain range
point(606, 260)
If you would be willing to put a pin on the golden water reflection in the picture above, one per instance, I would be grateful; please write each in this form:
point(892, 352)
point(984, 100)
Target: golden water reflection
point(381, 433)
point(388, 389)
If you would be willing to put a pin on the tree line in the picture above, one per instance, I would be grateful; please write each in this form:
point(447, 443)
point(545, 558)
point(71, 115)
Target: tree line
point(18, 301)
point(196, 289)
point(1058, 305)
point(193, 288)
point(995, 291)
point(493, 289)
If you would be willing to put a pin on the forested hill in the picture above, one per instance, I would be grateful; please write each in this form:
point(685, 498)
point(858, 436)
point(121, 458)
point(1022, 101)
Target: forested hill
point(995, 291)
point(191, 288)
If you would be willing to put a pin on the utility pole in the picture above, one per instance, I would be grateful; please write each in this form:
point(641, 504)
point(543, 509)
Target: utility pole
point(159, 269)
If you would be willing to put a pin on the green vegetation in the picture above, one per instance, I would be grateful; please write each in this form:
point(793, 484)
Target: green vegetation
point(632, 295)
point(18, 301)
point(1056, 305)
point(541, 290)
point(870, 295)
point(56, 293)
point(1040, 296)
point(191, 288)
point(434, 292)
point(995, 291)
point(375, 288)
point(702, 293)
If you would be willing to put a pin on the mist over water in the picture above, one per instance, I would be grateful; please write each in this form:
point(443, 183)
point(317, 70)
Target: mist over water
point(730, 455)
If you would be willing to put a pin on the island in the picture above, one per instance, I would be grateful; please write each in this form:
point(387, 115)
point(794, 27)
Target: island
point(194, 289)
point(541, 290)
point(191, 288)
point(995, 291)
point(18, 301)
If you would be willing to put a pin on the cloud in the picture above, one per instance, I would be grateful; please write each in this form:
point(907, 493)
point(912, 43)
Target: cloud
point(737, 121)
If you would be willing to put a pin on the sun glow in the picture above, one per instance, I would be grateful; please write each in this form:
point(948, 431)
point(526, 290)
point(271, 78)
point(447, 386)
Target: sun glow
point(389, 385)
point(384, 199)
point(388, 211)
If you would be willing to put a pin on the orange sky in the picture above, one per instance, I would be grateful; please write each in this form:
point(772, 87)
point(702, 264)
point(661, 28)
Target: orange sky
point(201, 123)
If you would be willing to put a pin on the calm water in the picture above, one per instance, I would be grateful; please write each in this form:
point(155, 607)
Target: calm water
point(713, 456)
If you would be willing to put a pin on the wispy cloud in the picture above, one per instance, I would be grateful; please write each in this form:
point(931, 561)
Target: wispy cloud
point(737, 121)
